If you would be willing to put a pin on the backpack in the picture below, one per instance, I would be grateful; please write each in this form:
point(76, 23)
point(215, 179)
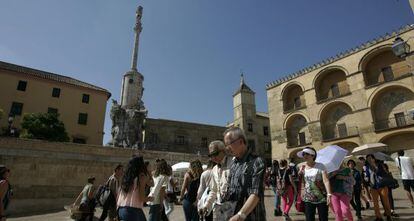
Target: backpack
point(104, 194)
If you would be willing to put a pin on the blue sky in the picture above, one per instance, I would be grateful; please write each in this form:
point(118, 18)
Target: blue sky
point(191, 51)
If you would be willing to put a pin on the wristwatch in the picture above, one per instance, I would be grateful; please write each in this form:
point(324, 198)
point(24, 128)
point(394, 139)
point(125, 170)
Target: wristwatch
point(242, 215)
point(329, 194)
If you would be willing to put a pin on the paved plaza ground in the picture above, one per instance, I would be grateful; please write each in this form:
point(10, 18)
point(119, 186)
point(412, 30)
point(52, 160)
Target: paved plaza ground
point(401, 203)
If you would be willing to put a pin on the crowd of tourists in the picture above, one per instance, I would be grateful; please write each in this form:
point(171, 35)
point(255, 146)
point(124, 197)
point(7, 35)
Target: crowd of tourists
point(312, 189)
point(232, 185)
point(230, 188)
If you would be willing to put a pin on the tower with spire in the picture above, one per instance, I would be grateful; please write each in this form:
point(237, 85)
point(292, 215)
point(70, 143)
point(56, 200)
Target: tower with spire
point(255, 124)
point(128, 116)
point(244, 105)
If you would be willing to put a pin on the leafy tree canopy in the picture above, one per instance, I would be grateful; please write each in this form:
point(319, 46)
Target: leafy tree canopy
point(44, 126)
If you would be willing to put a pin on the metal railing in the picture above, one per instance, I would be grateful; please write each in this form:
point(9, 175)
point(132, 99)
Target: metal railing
point(338, 131)
point(326, 97)
point(291, 108)
point(397, 73)
point(394, 122)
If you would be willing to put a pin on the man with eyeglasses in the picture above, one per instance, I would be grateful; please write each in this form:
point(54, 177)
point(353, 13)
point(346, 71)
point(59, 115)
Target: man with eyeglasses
point(246, 187)
point(219, 182)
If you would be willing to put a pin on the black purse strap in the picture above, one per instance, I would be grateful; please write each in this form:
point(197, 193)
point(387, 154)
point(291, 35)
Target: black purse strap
point(399, 162)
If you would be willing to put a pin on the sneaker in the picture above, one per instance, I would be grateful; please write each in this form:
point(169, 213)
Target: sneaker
point(286, 217)
point(277, 212)
point(394, 214)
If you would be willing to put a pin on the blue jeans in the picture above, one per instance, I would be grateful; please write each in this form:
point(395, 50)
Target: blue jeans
point(131, 214)
point(155, 212)
point(190, 211)
point(277, 198)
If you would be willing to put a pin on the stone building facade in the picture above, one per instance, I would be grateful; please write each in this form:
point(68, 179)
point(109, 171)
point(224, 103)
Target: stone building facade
point(179, 136)
point(255, 124)
point(364, 95)
point(81, 106)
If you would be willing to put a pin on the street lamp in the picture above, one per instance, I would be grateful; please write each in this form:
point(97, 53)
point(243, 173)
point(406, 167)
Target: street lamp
point(400, 47)
point(10, 121)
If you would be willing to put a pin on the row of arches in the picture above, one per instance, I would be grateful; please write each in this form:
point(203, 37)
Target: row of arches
point(378, 66)
point(391, 107)
point(395, 142)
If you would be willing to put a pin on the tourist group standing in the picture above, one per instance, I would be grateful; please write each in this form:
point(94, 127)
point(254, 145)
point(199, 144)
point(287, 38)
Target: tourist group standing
point(232, 187)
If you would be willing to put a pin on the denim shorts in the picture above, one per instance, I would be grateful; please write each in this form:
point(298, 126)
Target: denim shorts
point(131, 214)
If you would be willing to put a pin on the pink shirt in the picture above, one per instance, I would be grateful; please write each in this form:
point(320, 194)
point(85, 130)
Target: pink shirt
point(132, 198)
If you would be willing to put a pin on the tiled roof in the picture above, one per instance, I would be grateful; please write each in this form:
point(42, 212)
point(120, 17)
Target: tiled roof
point(341, 55)
point(50, 76)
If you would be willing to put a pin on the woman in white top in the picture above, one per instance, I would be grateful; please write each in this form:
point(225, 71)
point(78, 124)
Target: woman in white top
point(157, 192)
point(317, 192)
point(132, 195)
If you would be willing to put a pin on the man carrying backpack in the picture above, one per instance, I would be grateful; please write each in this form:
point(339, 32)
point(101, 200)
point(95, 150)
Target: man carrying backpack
point(109, 203)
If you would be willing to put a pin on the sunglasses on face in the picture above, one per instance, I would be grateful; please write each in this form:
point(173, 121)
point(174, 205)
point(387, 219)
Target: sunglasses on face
point(214, 153)
point(232, 142)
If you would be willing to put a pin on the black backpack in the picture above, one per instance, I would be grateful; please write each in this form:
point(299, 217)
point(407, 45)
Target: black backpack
point(104, 195)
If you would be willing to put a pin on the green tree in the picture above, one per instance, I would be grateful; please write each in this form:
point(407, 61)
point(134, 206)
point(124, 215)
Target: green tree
point(44, 126)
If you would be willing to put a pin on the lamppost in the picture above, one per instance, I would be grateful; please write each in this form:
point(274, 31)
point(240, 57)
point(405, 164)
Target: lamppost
point(10, 121)
point(401, 48)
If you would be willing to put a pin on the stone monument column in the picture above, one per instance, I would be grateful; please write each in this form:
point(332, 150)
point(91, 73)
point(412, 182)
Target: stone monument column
point(128, 116)
point(132, 84)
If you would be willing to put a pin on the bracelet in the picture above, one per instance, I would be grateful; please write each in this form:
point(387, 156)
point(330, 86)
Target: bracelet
point(242, 215)
point(329, 194)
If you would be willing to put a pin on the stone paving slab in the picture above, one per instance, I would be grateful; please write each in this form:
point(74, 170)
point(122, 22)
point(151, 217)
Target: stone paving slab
point(403, 208)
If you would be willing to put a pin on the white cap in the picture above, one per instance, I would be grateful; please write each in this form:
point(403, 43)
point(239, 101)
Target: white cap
point(306, 150)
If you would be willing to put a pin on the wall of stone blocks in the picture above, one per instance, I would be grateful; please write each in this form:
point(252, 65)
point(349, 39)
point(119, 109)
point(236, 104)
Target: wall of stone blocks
point(47, 175)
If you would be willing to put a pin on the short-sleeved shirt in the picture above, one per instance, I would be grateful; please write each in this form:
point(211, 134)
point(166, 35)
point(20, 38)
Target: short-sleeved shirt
point(314, 183)
point(85, 192)
point(246, 178)
point(358, 179)
point(159, 182)
point(407, 170)
point(285, 176)
point(343, 186)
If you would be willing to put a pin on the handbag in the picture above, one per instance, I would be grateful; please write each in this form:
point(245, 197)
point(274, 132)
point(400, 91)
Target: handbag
point(300, 204)
point(281, 184)
point(202, 203)
point(386, 180)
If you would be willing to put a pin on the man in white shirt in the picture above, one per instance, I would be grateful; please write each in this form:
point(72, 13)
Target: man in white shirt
point(405, 164)
point(219, 179)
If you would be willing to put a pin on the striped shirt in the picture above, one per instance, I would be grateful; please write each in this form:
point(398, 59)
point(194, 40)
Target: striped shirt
point(246, 178)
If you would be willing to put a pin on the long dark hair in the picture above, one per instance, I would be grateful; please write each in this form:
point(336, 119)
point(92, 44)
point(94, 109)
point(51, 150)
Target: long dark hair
point(134, 169)
point(196, 168)
point(161, 168)
point(3, 170)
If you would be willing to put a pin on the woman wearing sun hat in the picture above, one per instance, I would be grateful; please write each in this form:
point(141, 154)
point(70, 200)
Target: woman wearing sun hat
point(317, 192)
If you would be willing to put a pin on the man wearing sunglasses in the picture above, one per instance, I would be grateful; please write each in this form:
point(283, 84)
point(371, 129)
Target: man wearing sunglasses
point(219, 182)
point(246, 187)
